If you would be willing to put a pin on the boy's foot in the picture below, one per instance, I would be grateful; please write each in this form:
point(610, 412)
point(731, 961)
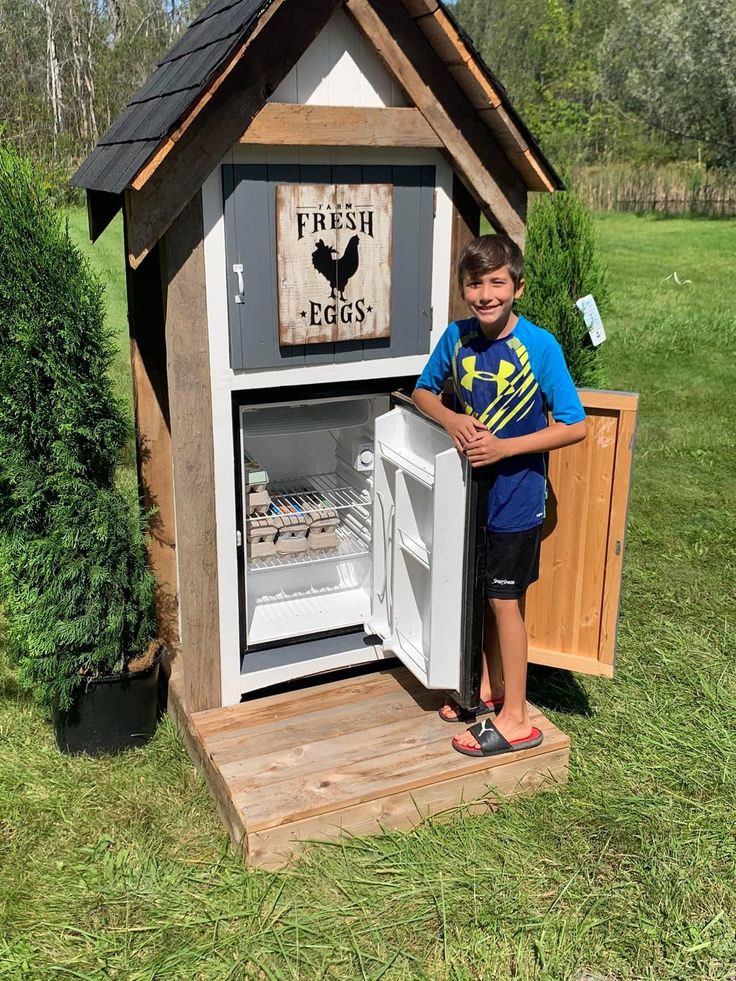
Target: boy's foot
point(485, 739)
point(452, 712)
point(513, 730)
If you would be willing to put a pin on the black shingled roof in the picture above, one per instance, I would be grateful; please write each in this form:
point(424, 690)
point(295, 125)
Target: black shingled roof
point(157, 107)
point(167, 94)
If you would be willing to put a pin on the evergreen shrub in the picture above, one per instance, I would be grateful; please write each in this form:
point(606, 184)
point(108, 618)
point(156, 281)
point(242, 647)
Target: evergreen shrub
point(75, 588)
point(561, 265)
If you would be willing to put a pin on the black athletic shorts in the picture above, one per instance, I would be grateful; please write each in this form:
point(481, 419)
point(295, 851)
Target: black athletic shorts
point(511, 562)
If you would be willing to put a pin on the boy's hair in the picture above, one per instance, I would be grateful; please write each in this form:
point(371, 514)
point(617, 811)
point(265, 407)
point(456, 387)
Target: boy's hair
point(490, 252)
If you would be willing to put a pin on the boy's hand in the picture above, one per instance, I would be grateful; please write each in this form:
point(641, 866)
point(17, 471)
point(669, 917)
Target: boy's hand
point(462, 429)
point(484, 449)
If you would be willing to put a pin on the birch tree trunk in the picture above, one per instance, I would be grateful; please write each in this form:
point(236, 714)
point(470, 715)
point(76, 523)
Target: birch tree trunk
point(53, 71)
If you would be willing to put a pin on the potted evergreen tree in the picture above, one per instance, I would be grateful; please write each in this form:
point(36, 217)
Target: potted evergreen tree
point(76, 592)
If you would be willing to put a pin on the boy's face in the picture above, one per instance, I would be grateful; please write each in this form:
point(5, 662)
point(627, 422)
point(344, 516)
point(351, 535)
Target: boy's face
point(491, 296)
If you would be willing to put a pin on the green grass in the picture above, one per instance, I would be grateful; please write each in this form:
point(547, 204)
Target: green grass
point(107, 258)
point(119, 869)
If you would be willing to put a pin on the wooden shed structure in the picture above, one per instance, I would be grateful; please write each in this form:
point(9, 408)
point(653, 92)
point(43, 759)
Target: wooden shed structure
point(297, 178)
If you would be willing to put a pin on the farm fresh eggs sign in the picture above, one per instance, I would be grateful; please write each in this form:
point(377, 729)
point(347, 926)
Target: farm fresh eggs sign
point(333, 246)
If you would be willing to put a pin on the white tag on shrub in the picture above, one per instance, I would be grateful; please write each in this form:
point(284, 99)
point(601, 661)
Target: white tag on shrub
point(592, 318)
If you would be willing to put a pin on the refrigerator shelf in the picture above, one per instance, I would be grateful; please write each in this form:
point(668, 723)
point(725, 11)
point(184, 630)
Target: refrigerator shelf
point(352, 543)
point(315, 493)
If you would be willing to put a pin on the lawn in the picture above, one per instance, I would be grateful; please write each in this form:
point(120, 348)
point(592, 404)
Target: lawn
point(120, 869)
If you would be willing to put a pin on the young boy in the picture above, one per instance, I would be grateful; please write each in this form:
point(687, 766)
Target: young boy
point(507, 374)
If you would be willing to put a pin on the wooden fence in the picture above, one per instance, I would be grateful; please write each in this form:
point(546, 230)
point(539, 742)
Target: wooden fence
point(674, 189)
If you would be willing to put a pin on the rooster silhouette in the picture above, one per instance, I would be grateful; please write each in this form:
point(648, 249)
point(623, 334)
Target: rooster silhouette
point(337, 272)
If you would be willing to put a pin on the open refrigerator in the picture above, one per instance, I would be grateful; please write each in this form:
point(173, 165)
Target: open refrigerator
point(403, 512)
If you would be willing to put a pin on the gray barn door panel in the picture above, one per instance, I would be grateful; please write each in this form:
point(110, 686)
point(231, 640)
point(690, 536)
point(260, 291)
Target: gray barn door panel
point(249, 192)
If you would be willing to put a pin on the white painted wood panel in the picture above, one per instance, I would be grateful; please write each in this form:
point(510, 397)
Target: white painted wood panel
point(340, 68)
point(222, 435)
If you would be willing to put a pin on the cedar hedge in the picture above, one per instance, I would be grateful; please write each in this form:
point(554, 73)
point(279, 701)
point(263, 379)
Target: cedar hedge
point(561, 265)
point(77, 595)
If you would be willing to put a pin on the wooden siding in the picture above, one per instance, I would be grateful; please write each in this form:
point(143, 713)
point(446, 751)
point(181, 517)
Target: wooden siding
point(571, 612)
point(465, 227)
point(193, 457)
point(153, 435)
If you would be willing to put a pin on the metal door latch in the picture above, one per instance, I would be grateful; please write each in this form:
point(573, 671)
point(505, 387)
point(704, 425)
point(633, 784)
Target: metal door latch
point(238, 270)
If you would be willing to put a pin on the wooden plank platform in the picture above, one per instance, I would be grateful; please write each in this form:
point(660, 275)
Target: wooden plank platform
point(350, 756)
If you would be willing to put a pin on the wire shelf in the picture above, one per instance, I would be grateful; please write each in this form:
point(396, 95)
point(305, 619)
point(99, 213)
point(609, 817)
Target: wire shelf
point(313, 494)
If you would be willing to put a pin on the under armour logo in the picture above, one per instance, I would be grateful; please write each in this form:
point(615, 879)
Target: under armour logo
point(501, 378)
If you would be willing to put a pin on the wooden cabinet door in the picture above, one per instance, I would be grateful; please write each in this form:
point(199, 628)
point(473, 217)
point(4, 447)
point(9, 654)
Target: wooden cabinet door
point(571, 613)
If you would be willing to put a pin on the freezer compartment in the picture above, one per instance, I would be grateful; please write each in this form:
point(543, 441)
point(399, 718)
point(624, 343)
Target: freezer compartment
point(318, 458)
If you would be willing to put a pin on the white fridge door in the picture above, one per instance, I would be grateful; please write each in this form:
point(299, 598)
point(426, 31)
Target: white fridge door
point(419, 505)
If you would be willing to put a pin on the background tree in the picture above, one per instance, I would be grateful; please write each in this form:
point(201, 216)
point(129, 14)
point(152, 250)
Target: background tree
point(682, 80)
point(637, 80)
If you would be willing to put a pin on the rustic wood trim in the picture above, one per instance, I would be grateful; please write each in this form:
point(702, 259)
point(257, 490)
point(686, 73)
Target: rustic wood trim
point(102, 206)
point(459, 60)
point(471, 147)
point(420, 8)
point(593, 398)
point(570, 662)
point(465, 227)
point(194, 744)
point(286, 124)
point(153, 435)
point(190, 402)
point(231, 107)
point(152, 164)
point(203, 99)
point(617, 536)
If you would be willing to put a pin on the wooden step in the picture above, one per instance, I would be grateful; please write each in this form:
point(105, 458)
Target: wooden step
point(352, 756)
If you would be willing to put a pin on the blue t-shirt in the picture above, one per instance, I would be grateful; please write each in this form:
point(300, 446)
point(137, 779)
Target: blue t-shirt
point(509, 385)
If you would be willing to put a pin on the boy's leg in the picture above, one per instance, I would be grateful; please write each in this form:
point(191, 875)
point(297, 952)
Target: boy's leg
point(513, 720)
point(492, 672)
point(491, 676)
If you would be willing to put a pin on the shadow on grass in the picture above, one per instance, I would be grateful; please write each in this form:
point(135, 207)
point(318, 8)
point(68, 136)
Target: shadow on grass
point(557, 690)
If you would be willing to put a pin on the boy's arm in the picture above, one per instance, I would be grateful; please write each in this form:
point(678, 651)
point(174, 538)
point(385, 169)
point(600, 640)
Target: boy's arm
point(487, 448)
point(427, 398)
point(461, 429)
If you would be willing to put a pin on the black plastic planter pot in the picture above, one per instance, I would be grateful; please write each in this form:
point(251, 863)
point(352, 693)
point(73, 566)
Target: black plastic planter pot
point(111, 714)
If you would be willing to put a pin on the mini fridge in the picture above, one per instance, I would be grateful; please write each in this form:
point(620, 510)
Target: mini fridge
point(407, 510)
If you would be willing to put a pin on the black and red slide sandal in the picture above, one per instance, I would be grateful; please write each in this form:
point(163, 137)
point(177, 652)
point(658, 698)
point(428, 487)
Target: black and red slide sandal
point(492, 743)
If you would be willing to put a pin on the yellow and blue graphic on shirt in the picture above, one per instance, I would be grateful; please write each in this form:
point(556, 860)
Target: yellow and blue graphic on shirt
point(494, 382)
